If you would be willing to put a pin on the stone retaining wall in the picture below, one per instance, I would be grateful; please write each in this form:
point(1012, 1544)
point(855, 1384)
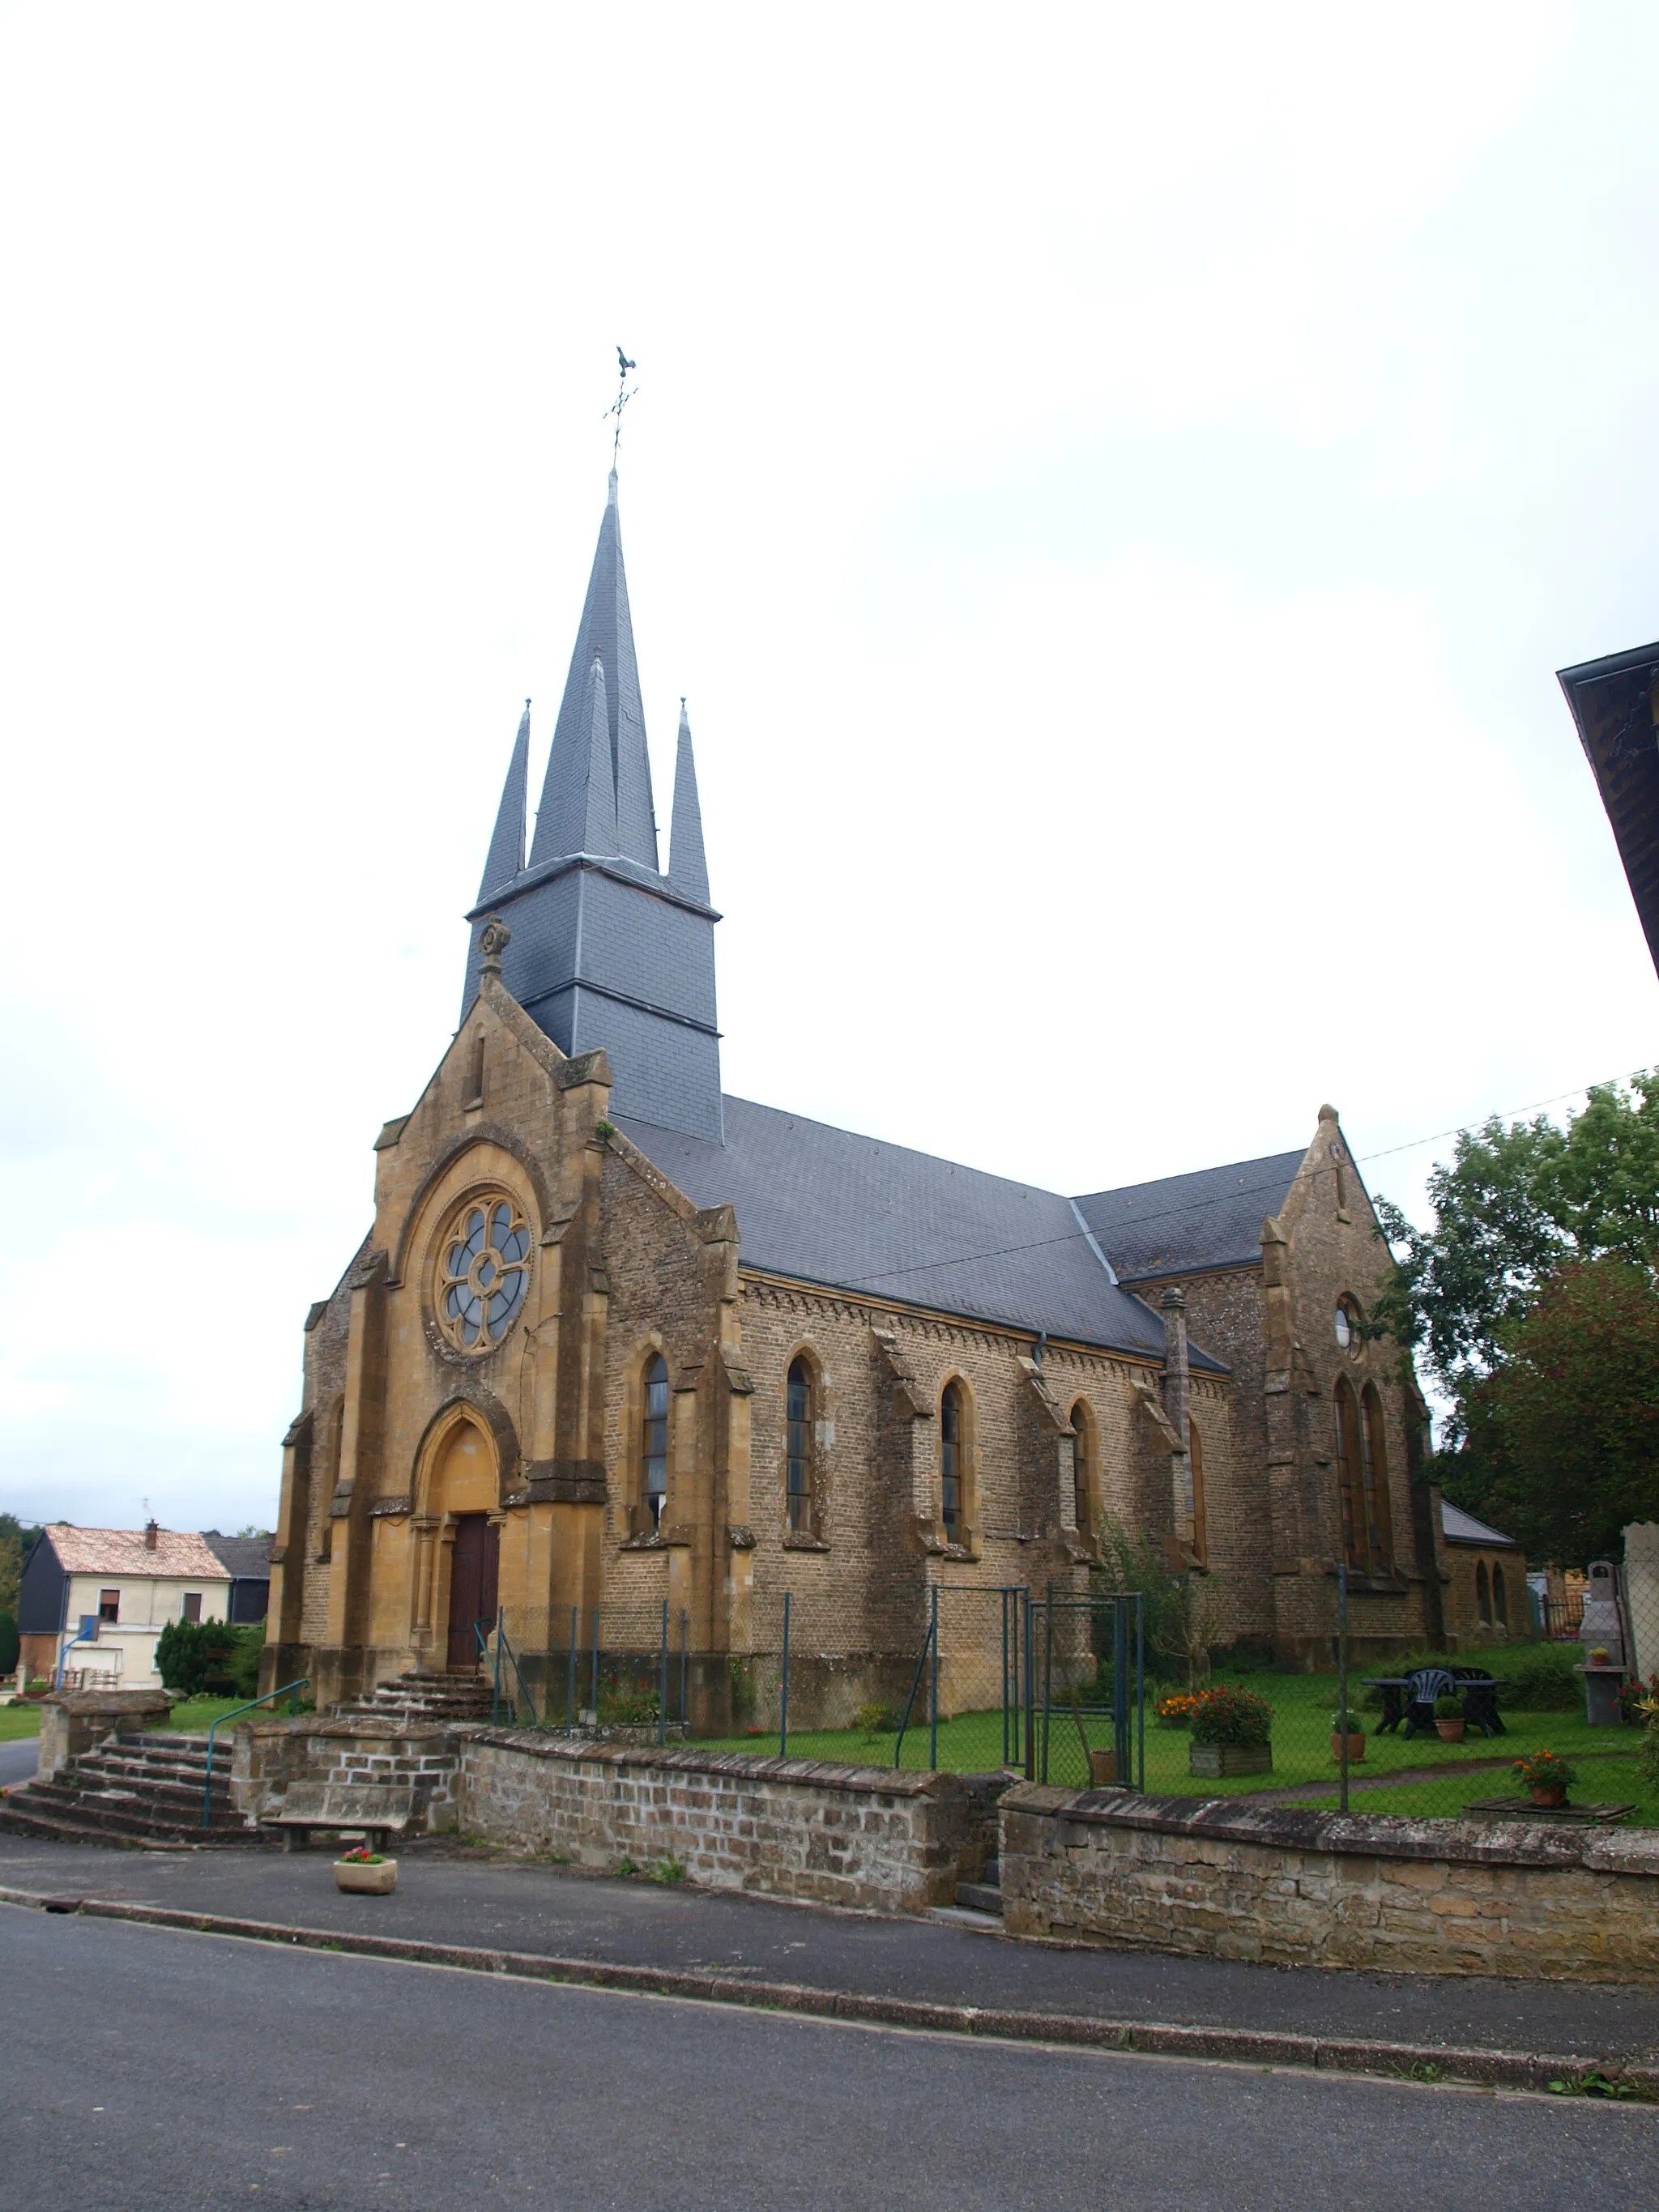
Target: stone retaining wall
point(856, 1836)
point(73, 1721)
point(1290, 1888)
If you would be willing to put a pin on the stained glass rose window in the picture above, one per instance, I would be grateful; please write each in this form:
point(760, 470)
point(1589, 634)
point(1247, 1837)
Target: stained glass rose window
point(483, 1269)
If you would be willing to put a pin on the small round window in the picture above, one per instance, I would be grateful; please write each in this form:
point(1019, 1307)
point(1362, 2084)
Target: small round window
point(483, 1268)
point(1347, 1329)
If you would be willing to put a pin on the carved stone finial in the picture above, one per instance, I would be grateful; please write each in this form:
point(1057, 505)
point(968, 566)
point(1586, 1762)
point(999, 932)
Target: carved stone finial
point(494, 941)
point(1174, 1298)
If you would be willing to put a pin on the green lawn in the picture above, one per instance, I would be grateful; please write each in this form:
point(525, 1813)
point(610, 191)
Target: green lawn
point(17, 1721)
point(1444, 1777)
point(194, 1715)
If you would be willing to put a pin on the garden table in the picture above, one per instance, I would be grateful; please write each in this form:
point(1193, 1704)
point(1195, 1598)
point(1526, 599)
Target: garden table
point(1478, 1690)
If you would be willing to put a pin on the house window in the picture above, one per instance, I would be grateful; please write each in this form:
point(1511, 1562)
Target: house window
point(1482, 1593)
point(1349, 1477)
point(193, 1609)
point(798, 1476)
point(109, 1605)
point(1374, 1449)
point(653, 1442)
point(951, 1441)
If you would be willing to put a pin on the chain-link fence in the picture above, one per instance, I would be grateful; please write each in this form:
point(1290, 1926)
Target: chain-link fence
point(1535, 1729)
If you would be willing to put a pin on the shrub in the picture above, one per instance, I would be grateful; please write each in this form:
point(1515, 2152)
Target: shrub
point(873, 1720)
point(11, 1644)
point(1346, 1723)
point(243, 1665)
point(1540, 1676)
point(1229, 1714)
point(1449, 1709)
point(191, 1653)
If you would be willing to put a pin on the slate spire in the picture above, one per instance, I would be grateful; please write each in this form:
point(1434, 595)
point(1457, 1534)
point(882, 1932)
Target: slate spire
point(506, 858)
point(579, 801)
point(606, 633)
point(688, 870)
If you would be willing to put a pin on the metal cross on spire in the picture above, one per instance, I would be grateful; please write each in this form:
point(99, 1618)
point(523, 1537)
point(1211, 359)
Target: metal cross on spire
point(623, 395)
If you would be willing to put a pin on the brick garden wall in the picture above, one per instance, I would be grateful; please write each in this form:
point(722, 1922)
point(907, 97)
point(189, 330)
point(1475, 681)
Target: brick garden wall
point(1286, 1887)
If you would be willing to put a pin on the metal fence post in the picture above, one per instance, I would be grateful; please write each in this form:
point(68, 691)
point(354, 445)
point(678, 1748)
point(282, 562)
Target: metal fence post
point(933, 1688)
point(570, 1677)
point(662, 1680)
point(1030, 1693)
point(595, 1686)
point(495, 1693)
point(685, 1632)
point(1140, 1691)
point(1048, 1668)
point(1342, 1673)
point(783, 1704)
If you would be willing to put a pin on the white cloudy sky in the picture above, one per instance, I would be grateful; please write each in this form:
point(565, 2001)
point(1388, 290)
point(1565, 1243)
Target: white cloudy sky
point(1114, 484)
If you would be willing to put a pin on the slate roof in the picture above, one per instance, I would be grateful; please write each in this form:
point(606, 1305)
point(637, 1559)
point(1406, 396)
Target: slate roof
point(826, 1206)
point(124, 1552)
point(1461, 1527)
point(1615, 704)
point(1182, 1224)
point(248, 1559)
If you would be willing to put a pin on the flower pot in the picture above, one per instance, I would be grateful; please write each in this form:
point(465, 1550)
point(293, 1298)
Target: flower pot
point(368, 1881)
point(1215, 1761)
point(1356, 1748)
point(1451, 1731)
point(1553, 1793)
point(1598, 1657)
point(1103, 1770)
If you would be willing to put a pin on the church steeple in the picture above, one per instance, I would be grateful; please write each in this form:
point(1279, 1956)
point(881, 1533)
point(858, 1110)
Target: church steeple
point(605, 635)
point(687, 871)
point(506, 859)
point(605, 950)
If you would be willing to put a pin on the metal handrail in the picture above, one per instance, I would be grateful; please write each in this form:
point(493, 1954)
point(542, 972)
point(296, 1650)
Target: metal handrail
point(494, 1661)
point(234, 1713)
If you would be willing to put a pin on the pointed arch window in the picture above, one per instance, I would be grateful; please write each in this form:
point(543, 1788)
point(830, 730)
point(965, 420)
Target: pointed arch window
point(653, 1442)
point(1379, 1516)
point(953, 1430)
point(800, 1423)
point(1500, 1596)
point(1483, 1594)
point(1085, 1473)
point(1195, 1499)
point(1350, 1476)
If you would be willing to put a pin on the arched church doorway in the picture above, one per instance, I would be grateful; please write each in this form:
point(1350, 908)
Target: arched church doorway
point(462, 1499)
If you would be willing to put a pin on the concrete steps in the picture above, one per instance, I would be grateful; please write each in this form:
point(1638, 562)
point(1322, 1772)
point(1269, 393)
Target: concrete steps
point(144, 1791)
point(420, 1697)
point(980, 1899)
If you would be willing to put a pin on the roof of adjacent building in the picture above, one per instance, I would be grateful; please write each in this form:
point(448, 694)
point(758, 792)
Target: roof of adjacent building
point(825, 1205)
point(1615, 703)
point(248, 1559)
point(1184, 1223)
point(124, 1552)
point(1461, 1527)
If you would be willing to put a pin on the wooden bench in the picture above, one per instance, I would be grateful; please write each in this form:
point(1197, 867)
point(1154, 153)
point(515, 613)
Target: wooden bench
point(379, 1809)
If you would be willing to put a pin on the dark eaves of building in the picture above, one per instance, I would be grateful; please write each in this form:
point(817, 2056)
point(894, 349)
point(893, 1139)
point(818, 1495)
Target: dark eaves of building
point(1615, 702)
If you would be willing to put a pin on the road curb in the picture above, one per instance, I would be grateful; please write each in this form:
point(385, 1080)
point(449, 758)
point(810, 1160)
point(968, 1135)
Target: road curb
point(1486, 2069)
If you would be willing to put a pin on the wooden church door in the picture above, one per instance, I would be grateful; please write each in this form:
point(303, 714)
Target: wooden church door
point(472, 1577)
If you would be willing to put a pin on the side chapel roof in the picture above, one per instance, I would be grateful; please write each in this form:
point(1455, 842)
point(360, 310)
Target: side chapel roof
point(1183, 1224)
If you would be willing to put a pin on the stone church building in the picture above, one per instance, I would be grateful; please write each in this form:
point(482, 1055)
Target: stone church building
point(615, 1337)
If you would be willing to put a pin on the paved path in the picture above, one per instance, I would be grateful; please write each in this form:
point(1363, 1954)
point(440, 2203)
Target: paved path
point(515, 1907)
point(169, 2073)
point(17, 1760)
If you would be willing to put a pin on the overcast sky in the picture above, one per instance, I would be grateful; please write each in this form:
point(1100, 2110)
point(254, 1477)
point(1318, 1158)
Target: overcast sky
point(1114, 484)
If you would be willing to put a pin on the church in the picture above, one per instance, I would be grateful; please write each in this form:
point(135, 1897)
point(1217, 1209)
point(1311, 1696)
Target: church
point(616, 1340)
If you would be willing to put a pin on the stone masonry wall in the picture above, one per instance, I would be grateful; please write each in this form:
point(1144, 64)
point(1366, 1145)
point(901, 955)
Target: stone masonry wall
point(1286, 1887)
point(860, 1837)
point(269, 1755)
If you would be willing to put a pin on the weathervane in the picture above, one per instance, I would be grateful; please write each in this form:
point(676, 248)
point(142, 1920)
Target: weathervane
point(623, 395)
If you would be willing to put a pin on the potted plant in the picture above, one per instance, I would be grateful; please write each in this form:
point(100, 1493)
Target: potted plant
point(1449, 1720)
point(1175, 1712)
point(370, 1872)
point(1598, 1654)
point(1231, 1729)
point(1348, 1724)
point(1548, 1776)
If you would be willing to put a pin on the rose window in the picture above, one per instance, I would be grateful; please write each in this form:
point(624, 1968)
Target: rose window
point(483, 1272)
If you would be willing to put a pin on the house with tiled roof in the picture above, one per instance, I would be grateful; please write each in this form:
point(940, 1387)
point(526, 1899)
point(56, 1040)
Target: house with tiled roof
point(617, 1343)
point(93, 1602)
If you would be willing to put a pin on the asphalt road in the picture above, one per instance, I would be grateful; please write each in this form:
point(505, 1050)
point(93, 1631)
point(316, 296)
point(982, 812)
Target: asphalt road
point(17, 1760)
point(172, 2073)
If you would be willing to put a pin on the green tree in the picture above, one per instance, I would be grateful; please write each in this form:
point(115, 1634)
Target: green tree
point(18, 1540)
point(1560, 1439)
point(1518, 1202)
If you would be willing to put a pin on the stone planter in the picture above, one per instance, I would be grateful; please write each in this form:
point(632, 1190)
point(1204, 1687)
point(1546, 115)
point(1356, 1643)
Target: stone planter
point(367, 1881)
point(1356, 1748)
point(1217, 1761)
point(1450, 1731)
